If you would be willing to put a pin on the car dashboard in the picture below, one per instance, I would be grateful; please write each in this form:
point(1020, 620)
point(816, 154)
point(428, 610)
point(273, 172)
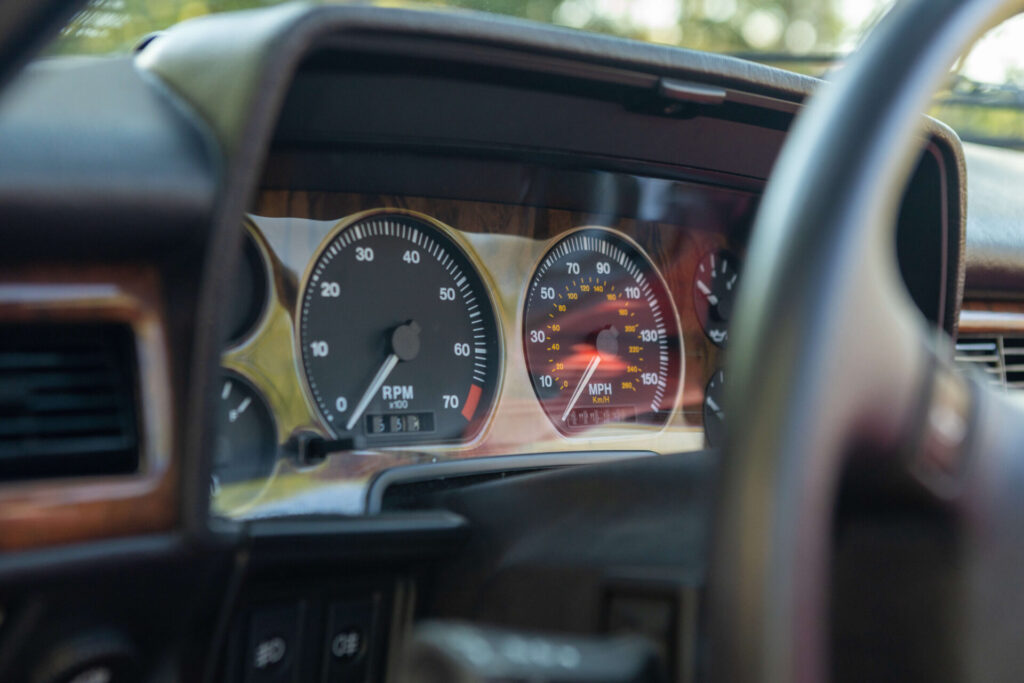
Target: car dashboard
point(535, 188)
point(392, 301)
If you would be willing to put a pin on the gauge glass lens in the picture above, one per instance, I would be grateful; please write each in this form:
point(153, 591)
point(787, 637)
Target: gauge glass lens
point(246, 445)
point(714, 413)
point(399, 339)
point(601, 335)
point(714, 291)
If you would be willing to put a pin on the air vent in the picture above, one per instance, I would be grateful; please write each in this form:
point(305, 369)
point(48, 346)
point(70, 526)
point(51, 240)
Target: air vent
point(67, 401)
point(984, 354)
point(1013, 362)
point(1001, 357)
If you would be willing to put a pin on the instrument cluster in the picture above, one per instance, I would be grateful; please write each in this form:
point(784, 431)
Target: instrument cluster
point(371, 331)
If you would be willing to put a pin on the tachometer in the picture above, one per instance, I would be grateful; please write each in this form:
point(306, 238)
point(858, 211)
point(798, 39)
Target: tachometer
point(601, 334)
point(399, 338)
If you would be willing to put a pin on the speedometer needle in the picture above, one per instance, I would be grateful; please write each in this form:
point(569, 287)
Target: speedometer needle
point(378, 380)
point(587, 374)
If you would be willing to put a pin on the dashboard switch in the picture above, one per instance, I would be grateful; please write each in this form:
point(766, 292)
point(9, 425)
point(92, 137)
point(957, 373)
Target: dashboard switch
point(272, 652)
point(349, 646)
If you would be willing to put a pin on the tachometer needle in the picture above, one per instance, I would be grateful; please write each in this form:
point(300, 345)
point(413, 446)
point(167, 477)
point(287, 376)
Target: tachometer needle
point(587, 374)
point(378, 380)
point(404, 344)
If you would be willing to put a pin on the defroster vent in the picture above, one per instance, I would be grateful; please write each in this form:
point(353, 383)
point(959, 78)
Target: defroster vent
point(67, 401)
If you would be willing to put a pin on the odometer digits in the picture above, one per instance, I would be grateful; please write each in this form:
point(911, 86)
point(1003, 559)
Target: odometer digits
point(601, 335)
point(399, 341)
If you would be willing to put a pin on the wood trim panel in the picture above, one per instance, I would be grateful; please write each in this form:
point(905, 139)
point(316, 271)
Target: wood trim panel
point(992, 317)
point(48, 512)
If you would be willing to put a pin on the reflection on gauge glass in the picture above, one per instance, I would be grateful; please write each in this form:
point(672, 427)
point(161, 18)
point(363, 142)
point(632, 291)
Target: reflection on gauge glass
point(601, 335)
point(399, 340)
point(714, 291)
point(249, 292)
point(246, 445)
point(714, 413)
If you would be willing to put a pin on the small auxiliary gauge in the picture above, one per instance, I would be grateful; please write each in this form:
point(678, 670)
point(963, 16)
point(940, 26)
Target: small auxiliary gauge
point(250, 293)
point(714, 291)
point(246, 445)
point(714, 413)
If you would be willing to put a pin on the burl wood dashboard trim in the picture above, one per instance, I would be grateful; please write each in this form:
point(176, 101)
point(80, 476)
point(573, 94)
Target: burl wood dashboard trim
point(50, 512)
point(992, 317)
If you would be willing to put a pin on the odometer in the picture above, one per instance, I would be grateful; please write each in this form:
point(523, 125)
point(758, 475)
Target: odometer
point(399, 340)
point(601, 334)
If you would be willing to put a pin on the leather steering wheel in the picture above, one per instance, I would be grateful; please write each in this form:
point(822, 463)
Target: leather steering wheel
point(832, 365)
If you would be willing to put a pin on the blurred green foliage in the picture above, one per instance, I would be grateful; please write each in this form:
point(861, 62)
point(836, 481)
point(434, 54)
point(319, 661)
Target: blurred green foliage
point(109, 26)
point(996, 126)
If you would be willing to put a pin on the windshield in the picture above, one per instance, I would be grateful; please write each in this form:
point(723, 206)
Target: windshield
point(785, 27)
point(983, 100)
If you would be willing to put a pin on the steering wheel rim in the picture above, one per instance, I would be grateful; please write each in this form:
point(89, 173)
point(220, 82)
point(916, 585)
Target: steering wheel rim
point(805, 383)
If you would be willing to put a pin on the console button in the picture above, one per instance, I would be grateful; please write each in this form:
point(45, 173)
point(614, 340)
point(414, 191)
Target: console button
point(349, 645)
point(272, 649)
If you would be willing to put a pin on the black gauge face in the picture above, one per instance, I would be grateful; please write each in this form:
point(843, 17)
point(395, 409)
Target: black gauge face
point(246, 446)
point(399, 339)
point(249, 292)
point(714, 291)
point(601, 335)
point(714, 415)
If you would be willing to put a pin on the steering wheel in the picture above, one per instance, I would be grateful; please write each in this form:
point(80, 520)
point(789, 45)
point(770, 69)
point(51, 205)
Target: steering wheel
point(833, 368)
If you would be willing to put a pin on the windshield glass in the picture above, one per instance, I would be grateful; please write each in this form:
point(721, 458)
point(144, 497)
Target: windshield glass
point(983, 100)
point(800, 28)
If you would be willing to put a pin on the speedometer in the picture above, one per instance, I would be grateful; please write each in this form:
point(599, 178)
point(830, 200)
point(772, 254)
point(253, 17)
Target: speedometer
point(399, 340)
point(601, 334)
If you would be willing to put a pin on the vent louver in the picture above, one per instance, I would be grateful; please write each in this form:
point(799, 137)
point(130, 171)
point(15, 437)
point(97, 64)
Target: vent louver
point(67, 401)
point(984, 354)
point(1013, 361)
